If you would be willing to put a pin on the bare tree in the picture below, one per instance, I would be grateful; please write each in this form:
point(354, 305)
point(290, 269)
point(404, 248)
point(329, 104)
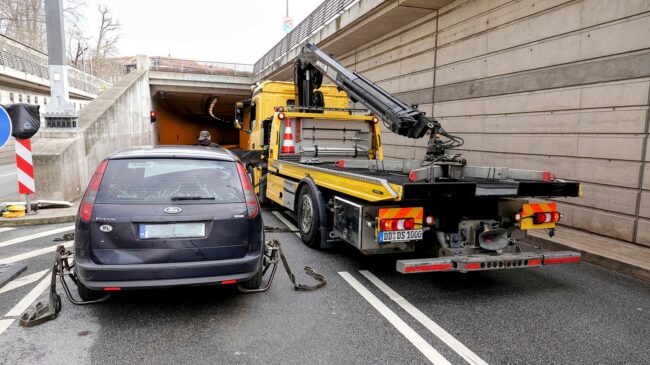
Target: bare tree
point(106, 43)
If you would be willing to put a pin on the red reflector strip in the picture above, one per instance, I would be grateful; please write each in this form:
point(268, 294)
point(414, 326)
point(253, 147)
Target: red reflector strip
point(437, 267)
point(561, 260)
point(535, 262)
point(226, 282)
point(473, 265)
point(112, 289)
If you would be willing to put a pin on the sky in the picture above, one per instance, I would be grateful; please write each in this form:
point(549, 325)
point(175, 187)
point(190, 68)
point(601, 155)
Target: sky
point(238, 31)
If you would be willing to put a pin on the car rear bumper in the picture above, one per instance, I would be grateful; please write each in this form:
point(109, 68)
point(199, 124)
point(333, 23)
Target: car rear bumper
point(141, 276)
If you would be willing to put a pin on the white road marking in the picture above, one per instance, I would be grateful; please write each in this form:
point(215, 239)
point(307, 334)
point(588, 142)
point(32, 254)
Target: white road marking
point(36, 235)
point(286, 222)
point(420, 343)
point(30, 254)
point(427, 322)
point(6, 229)
point(24, 303)
point(8, 174)
point(5, 323)
point(17, 283)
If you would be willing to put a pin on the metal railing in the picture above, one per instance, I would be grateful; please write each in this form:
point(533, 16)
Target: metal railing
point(199, 67)
point(324, 13)
point(20, 57)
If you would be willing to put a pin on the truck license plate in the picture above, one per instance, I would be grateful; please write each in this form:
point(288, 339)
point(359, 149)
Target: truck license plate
point(397, 236)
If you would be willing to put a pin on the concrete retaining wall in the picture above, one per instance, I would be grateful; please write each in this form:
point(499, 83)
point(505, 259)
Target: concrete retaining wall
point(64, 161)
point(555, 84)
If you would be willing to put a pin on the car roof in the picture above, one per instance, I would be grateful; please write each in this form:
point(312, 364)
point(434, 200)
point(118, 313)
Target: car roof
point(174, 151)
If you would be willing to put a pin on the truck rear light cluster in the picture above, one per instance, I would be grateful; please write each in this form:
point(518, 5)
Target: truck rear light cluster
point(396, 224)
point(251, 200)
point(430, 220)
point(88, 201)
point(549, 217)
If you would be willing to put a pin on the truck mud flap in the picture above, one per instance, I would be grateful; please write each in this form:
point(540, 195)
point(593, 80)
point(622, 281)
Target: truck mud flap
point(469, 263)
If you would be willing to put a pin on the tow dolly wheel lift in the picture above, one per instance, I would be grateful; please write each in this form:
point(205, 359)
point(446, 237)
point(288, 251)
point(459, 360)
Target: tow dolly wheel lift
point(40, 311)
point(43, 311)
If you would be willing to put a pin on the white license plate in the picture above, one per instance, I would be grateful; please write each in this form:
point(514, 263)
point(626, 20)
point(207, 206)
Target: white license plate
point(173, 230)
point(397, 236)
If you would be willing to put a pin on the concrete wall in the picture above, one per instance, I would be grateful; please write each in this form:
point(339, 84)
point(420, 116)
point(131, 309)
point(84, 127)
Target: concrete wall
point(553, 84)
point(64, 160)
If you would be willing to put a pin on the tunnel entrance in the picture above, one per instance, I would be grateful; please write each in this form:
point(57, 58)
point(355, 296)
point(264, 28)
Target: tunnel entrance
point(182, 115)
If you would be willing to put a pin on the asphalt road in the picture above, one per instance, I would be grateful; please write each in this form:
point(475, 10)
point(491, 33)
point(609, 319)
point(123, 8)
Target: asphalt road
point(574, 313)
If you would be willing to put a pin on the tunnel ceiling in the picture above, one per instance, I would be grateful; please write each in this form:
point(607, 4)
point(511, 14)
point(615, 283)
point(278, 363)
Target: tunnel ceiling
point(197, 105)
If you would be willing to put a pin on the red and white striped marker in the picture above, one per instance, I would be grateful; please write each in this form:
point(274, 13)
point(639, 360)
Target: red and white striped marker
point(25, 166)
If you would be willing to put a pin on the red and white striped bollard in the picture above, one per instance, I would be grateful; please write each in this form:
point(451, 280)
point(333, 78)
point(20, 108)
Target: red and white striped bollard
point(26, 184)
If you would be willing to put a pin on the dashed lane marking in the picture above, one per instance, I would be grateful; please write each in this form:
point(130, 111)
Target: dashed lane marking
point(8, 174)
point(420, 343)
point(30, 254)
point(6, 229)
point(22, 281)
point(427, 322)
point(36, 235)
point(24, 303)
point(286, 222)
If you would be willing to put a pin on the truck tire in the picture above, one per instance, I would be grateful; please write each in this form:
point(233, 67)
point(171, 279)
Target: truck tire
point(308, 217)
point(87, 294)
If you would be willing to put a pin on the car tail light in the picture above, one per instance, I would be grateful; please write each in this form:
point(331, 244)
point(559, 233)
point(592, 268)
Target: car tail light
point(249, 192)
point(428, 267)
point(413, 176)
point(112, 288)
point(396, 224)
point(227, 282)
point(549, 217)
point(86, 208)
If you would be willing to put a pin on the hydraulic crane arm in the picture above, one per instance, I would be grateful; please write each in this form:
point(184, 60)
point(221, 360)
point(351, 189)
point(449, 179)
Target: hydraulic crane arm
point(401, 118)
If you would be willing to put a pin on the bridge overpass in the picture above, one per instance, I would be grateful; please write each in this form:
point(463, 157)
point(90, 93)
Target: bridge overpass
point(24, 79)
point(559, 85)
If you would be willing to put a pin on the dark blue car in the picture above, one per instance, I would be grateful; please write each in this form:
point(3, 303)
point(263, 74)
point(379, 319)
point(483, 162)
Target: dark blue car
point(167, 216)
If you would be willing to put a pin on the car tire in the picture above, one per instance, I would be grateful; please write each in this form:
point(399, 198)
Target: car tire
point(87, 294)
point(255, 282)
point(308, 217)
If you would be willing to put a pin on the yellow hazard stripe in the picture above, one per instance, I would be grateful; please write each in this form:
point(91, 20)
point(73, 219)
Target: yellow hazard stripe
point(409, 212)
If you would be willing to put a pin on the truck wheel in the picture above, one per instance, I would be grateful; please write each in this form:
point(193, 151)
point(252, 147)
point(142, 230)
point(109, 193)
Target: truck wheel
point(308, 218)
point(87, 294)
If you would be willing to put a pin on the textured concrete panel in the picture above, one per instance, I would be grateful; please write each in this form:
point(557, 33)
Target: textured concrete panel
point(601, 70)
point(643, 232)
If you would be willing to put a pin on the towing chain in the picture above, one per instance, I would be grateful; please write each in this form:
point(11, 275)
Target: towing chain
point(273, 256)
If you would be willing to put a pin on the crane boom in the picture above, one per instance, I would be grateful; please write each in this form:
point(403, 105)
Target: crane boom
point(401, 118)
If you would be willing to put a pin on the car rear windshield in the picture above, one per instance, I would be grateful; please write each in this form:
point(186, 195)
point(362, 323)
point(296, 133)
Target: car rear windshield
point(154, 181)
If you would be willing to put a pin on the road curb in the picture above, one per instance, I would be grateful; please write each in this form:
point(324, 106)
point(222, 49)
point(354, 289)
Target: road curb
point(600, 260)
point(31, 221)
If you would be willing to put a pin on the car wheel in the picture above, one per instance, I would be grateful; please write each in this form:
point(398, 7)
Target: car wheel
point(87, 294)
point(255, 282)
point(308, 218)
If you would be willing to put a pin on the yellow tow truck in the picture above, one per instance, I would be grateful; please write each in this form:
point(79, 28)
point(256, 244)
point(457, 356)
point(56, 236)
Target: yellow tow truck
point(308, 152)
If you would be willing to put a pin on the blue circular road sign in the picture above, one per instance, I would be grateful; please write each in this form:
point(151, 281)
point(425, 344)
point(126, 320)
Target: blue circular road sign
point(5, 127)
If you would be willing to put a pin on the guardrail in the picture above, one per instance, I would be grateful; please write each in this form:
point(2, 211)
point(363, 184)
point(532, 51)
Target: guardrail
point(23, 58)
point(199, 67)
point(324, 13)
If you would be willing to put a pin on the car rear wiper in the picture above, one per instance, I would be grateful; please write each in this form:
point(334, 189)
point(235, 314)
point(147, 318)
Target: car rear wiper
point(175, 198)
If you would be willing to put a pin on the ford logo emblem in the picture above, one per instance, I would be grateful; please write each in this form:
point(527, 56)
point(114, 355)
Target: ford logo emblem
point(172, 210)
